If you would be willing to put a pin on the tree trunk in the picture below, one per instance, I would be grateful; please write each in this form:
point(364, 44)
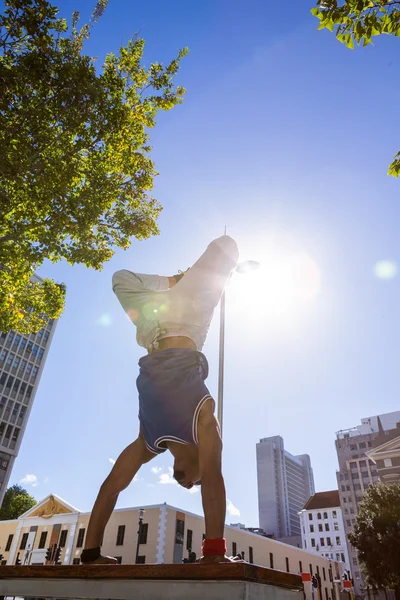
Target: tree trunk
point(397, 592)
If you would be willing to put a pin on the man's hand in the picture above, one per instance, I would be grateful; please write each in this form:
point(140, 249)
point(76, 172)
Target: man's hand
point(219, 558)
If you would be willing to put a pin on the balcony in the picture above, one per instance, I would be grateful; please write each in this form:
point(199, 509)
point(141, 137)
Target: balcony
point(148, 582)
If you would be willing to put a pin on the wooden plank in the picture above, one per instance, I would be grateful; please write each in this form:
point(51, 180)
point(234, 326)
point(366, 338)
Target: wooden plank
point(199, 572)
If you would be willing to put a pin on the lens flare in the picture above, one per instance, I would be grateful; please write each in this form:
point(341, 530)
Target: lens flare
point(105, 320)
point(385, 269)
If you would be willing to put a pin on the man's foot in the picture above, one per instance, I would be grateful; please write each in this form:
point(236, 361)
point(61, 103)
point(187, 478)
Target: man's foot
point(103, 560)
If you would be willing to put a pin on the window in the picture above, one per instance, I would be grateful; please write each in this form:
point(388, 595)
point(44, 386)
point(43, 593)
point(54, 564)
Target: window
point(17, 340)
point(354, 560)
point(326, 594)
point(326, 526)
point(9, 542)
point(179, 532)
point(320, 527)
point(362, 445)
point(317, 570)
point(23, 344)
point(363, 463)
point(77, 561)
point(313, 542)
point(311, 528)
point(40, 353)
point(348, 488)
point(387, 462)
point(28, 368)
point(120, 535)
point(322, 541)
point(357, 486)
point(143, 533)
point(318, 515)
point(189, 540)
point(34, 372)
point(42, 541)
point(325, 515)
point(309, 516)
point(336, 526)
point(338, 542)
point(342, 557)
point(328, 541)
point(324, 573)
point(300, 566)
point(63, 538)
point(81, 537)
point(271, 560)
point(29, 347)
point(251, 558)
point(337, 557)
point(23, 541)
point(287, 565)
point(16, 362)
point(353, 446)
point(34, 350)
point(348, 522)
point(311, 571)
point(141, 560)
point(234, 549)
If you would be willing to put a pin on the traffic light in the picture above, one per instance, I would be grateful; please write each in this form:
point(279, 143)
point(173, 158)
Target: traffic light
point(1, 557)
point(57, 555)
point(314, 581)
point(18, 561)
point(49, 552)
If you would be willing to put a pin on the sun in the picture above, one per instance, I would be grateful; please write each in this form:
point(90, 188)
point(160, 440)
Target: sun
point(277, 288)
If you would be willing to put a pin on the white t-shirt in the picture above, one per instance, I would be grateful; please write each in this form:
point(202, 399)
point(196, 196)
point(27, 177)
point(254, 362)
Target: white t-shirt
point(187, 308)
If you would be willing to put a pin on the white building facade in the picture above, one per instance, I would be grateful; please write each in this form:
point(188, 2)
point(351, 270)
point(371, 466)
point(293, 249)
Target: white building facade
point(322, 527)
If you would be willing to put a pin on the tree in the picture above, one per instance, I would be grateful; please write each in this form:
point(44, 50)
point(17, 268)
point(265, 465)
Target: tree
point(357, 22)
point(376, 535)
point(16, 502)
point(75, 165)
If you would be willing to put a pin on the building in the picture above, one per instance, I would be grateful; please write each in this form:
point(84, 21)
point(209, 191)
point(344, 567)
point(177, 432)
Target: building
point(167, 535)
point(22, 358)
point(357, 471)
point(322, 527)
point(285, 483)
point(385, 453)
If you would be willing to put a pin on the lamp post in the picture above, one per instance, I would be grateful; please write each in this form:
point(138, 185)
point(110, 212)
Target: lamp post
point(242, 268)
point(141, 511)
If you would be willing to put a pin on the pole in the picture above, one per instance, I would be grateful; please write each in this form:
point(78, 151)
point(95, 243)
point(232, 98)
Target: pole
point(221, 361)
point(138, 535)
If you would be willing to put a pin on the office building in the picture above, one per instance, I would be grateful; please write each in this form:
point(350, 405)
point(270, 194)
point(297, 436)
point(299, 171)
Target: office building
point(22, 358)
point(357, 471)
point(285, 483)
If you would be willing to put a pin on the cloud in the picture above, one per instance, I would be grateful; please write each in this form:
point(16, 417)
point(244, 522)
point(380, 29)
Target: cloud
point(112, 461)
point(193, 490)
point(30, 479)
point(232, 510)
point(156, 470)
point(167, 478)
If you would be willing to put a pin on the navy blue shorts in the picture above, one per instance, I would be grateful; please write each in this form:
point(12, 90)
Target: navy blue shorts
point(171, 393)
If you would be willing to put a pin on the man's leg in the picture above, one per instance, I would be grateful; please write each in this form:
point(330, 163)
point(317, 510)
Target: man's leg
point(124, 470)
point(212, 481)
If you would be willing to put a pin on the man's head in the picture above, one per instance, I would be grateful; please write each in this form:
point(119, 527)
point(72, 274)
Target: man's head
point(186, 464)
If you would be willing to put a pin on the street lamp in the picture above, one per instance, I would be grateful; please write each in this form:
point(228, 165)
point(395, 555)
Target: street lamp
point(245, 267)
point(141, 511)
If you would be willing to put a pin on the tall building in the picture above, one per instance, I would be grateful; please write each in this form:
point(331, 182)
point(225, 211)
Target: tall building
point(285, 483)
point(322, 527)
point(22, 358)
point(357, 471)
point(166, 535)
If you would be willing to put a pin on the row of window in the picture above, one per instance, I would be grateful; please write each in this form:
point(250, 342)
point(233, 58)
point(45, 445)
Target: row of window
point(11, 411)
point(41, 337)
point(15, 388)
point(321, 527)
point(319, 515)
point(20, 343)
point(322, 541)
point(339, 556)
point(121, 534)
point(16, 363)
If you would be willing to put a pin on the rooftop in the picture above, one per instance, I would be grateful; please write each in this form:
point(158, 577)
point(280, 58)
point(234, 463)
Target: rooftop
point(323, 500)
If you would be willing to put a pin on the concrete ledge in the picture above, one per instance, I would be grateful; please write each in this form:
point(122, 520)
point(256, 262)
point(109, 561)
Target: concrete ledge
point(178, 582)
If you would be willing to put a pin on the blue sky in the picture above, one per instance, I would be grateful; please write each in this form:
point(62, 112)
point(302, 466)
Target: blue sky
point(285, 137)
